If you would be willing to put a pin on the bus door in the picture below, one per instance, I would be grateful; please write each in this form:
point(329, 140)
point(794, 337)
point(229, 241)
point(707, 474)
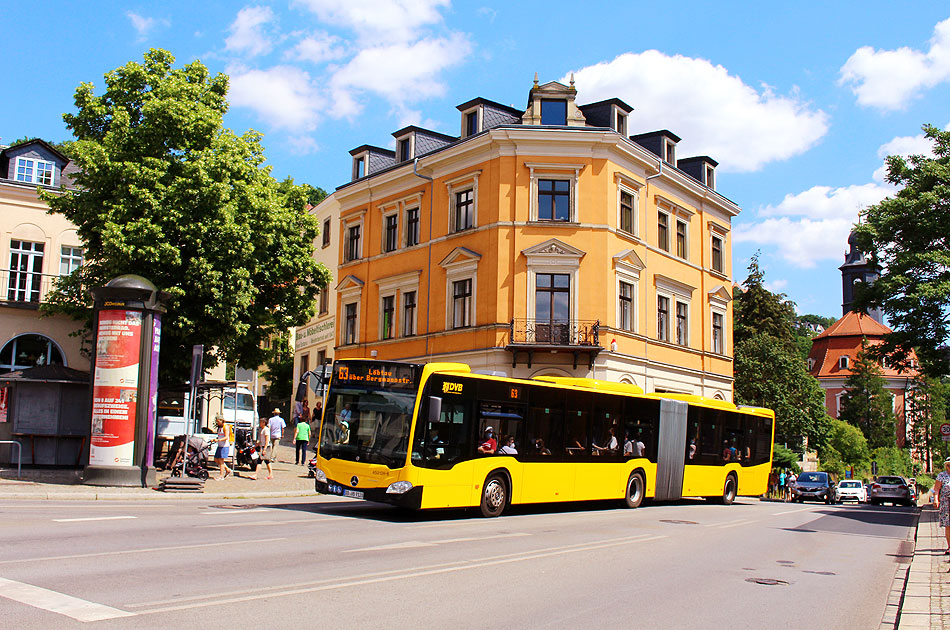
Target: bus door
point(670, 453)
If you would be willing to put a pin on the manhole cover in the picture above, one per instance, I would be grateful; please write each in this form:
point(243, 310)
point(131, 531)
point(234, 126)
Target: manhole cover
point(821, 572)
point(678, 522)
point(249, 506)
point(785, 561)
point(767, 581)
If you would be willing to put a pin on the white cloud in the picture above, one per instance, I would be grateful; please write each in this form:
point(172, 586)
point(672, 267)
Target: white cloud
point(283, 96)
point(248, 31)
point(813, 225)
point(714, 112)
point(317, 48)
point(775, 286)
point(303, 145)
point(400, 73)
point(142, 25)
point(389, 20)
point(890, 79)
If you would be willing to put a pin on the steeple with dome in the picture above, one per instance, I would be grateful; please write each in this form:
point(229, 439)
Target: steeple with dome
point(855, 270)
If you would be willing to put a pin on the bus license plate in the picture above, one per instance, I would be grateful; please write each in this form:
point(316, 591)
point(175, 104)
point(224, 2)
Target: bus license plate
point(353, 494)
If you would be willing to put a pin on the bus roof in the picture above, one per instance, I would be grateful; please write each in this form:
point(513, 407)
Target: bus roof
point(590, 383)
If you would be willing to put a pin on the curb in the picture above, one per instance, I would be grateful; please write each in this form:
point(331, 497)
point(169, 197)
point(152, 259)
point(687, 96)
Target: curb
point(150, 495)
point(895, 598)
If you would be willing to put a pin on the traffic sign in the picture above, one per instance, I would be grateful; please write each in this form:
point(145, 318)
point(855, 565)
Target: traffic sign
point(945, 432)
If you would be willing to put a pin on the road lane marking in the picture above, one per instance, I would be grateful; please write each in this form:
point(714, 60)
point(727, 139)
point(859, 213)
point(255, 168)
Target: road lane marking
point(736, 524)
point(250, 511)
point(145, 550)
point(59, 603)
point(804, 509)
point(414, 544)
point(738, 521)
point(465, 565)
point(254, 523)
point(92, 518)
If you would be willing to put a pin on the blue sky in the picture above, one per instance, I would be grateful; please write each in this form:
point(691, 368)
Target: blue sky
point(798, 103)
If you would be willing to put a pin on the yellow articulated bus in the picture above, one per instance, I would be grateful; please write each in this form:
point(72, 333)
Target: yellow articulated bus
point(439, 436)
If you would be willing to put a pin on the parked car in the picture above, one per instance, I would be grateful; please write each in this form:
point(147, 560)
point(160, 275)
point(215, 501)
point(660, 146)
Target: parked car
point(894, 490)
point(815, 486)
point(850, 490)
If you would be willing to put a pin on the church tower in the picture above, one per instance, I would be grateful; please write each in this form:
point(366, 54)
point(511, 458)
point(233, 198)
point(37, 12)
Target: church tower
point(855, 270)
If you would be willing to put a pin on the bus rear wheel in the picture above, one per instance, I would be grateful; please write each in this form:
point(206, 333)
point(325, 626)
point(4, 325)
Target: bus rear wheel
point(494, 496)
point(635, 490)
point(728, 491)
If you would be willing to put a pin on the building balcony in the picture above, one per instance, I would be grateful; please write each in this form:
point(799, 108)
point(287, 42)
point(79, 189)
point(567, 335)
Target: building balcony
point(25, 289)
point(574, 337)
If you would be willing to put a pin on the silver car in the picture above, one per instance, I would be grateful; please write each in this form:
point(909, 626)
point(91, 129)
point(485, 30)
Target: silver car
point(850, 490)
point(894, 490)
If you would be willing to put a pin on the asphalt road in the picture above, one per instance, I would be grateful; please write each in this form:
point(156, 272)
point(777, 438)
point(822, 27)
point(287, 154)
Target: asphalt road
point(335, 563)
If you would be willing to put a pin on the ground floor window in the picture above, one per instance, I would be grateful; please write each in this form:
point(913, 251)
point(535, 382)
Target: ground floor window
point(26, 351)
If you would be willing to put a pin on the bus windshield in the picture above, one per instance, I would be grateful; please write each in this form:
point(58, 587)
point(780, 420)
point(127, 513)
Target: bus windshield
point(368, 413)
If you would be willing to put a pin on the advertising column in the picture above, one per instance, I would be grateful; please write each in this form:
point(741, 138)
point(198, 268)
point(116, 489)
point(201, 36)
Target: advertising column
point(115, 388)
point(124, 383)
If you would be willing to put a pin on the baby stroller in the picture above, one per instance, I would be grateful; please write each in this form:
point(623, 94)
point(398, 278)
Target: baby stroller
point(195, 460)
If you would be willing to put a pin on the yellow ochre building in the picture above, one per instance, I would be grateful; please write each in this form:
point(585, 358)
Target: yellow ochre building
point(547, 241)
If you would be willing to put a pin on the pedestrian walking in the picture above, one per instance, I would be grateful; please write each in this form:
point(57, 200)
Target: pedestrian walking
point(275, 426)
point(263, 441)
point(301, 440)
point(781, 486)
point(221, 449)
point(789, 484)
point(941, 496)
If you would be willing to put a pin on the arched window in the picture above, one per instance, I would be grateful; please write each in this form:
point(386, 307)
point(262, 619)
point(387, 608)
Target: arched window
point(26, 351)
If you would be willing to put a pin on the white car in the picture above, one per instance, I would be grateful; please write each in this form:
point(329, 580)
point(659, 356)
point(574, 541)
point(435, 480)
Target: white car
point(849, 490)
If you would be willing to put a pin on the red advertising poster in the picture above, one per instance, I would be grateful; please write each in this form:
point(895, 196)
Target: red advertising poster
point(115, 388)
point(3, 404)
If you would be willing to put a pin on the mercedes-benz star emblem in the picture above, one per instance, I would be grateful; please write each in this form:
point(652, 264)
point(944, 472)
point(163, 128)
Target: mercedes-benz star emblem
point(354, 480)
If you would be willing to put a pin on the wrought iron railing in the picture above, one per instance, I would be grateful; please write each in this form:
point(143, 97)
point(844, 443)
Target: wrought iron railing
point(25, 287)
point(572, 332)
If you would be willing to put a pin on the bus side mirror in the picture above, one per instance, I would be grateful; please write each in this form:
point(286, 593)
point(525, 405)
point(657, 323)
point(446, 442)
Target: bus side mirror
point(435, 409)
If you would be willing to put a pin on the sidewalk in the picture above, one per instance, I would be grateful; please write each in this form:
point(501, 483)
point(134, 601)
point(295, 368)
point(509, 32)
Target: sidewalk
point(925, 596)
point(289, 480)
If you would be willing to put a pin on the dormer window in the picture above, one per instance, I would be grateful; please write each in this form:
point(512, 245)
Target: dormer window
point(471, 123)
point(811, 364)
point(669, 152)
point(359, 167)
point(621, 122)
point(843, 362)
point(34, 171)
point(404, 149)
point(553, 112)
point(710, 176)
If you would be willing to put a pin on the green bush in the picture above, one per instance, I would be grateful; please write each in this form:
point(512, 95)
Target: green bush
point(925, 482)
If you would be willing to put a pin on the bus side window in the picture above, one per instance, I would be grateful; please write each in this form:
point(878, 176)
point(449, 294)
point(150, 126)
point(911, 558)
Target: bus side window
point(577, 423)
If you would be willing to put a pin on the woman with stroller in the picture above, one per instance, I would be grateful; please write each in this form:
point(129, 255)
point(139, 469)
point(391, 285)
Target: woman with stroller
point(221, 451)
point(263, 441)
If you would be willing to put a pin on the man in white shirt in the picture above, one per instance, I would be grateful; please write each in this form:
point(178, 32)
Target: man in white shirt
point(276, 426)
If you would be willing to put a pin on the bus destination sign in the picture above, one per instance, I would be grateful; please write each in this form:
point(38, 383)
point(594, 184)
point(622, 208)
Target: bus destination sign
point(376, 374)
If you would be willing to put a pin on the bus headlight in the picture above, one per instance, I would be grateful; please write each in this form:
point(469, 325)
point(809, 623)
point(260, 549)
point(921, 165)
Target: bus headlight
point(320, 475)
point(399, 487)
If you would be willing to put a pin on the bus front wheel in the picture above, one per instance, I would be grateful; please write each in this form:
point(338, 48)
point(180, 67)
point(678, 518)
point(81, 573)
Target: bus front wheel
point(635, 489)
point(494, 496)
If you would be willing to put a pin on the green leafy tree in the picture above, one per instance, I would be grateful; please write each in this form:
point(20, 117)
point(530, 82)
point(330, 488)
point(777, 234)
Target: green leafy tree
point(907, 235)
point(865, 403)
point(166, 192)
point(892, 461)
point(785, 459)
point(769, 372)
point(279, 369)
point(846, 444)
point(926, 402)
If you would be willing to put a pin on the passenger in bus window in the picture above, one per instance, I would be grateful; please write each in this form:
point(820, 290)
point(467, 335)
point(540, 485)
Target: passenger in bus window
point(509, 446)
point(539, 448)
point(691, 452)
point(726, 451)
point(488, 445)
point(610, 443)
